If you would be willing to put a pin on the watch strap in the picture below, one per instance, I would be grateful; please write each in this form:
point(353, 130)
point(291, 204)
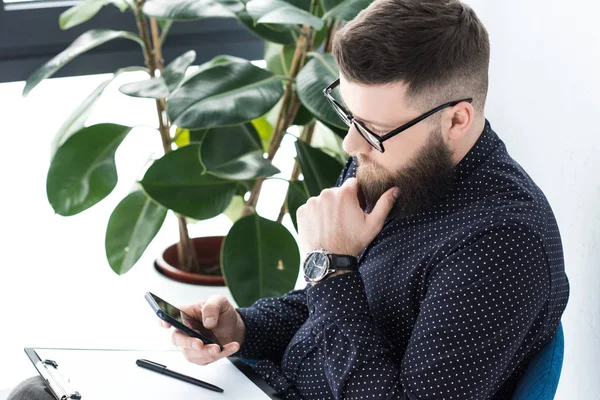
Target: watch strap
point(343, 262)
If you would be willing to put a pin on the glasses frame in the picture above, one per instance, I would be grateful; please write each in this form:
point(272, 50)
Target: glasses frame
point(349, 119)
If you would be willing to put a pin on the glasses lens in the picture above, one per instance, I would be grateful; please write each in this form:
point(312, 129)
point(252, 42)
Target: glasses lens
point(373, 141)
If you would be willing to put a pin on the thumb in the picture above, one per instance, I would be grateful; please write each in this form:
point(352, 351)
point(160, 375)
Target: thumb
point(383, 206)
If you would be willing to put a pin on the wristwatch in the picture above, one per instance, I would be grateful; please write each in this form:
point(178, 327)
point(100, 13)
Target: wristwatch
point(320, 263)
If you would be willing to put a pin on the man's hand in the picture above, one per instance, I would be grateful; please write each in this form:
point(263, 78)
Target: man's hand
point(334, 221)
point(218, 315)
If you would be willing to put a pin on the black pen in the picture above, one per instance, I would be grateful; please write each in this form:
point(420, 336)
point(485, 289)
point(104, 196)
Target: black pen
point(162, 369)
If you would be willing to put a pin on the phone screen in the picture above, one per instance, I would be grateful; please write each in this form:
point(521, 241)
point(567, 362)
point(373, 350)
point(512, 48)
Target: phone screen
point(184, 318)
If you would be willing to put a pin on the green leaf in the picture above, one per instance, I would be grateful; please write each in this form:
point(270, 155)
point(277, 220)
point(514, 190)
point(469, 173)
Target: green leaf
point(174, 73)
point(177, 181)
point(303, 116)
point(83, 171)
point(347, 10)
point(265, 31)
point(281, 12)
point(265, 131)
point(160, 87)
point(297, 195)
point(77, 119)
point(329, 4)
point(328, 141)
point(316, 75)
point(86, 10)
point(82, 44)
point(131, 227)
point(80, 13)
point(259, 259)
point(153, 88)
point(190, 10)
point(235, 153)
point(340, 132)
point(279, 58)
point(320, 170)
point(224, 95)
point(235, 208)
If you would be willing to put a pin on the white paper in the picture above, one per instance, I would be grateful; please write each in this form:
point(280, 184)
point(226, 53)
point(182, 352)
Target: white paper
point(113, 374)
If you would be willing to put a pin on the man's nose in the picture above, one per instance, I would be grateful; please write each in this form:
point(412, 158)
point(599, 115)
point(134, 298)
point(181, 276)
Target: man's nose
point(354, 143)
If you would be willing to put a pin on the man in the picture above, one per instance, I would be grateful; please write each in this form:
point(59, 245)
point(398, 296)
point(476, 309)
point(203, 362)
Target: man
point(449, 272)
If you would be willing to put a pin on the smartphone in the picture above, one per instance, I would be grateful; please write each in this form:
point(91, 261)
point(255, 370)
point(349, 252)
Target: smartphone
point(180, 320)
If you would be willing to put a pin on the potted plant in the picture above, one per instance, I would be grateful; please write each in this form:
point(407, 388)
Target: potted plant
point(220, 129)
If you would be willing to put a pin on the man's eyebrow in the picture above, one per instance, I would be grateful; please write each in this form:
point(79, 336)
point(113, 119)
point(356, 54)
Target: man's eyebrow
point(362, 119)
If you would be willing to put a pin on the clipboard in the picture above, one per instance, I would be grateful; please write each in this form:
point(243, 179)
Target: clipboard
point(97, 374)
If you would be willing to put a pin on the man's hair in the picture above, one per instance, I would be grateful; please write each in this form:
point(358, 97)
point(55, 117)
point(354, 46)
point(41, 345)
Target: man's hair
point(438, 48)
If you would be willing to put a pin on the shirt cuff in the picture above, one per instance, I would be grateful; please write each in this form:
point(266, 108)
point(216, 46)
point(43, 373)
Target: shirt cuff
point(336, 297)
point(251, 322)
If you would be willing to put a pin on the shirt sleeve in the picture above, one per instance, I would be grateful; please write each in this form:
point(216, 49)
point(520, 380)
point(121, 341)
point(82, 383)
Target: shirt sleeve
point(272, 322)
point(480, 301)
point(270, 325)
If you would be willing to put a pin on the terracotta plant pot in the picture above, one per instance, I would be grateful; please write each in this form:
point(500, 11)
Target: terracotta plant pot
point(208, 252)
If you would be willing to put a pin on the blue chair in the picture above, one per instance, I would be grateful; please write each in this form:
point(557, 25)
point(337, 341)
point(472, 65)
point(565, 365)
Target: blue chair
point(541, 378)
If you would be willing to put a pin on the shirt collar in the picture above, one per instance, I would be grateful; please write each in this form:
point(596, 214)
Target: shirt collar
point(485, 145)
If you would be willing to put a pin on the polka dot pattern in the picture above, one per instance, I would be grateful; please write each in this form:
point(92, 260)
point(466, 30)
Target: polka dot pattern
point(451, 303)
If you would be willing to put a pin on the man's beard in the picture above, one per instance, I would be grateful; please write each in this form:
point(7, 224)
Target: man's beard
point(424, 182)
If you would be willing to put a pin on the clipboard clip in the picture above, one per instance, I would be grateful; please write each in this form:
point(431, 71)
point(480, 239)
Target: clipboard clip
point(58, 384)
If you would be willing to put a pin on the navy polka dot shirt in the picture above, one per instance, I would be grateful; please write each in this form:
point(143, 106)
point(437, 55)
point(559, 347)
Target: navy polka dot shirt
point(450, 304)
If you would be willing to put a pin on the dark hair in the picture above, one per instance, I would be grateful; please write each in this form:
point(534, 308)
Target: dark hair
point(439, 48)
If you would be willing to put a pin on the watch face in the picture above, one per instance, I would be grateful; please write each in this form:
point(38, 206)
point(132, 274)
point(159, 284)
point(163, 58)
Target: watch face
point(316, 266)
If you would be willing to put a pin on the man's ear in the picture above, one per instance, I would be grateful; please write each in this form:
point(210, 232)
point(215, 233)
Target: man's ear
point(457, 121)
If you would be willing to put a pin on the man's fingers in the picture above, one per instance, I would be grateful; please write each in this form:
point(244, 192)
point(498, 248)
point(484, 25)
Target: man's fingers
point(184, 341)
point(212, 308)
point(164, 324)
point(383, 207)
point(210, 353)
point(193, 310)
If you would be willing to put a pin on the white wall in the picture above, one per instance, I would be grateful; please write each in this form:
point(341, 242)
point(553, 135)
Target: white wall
point(544, 101)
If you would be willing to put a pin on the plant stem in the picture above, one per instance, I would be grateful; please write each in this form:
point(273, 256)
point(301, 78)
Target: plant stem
point(306, 136)
point(289, 107)
point(153, 57)
point(157, 44)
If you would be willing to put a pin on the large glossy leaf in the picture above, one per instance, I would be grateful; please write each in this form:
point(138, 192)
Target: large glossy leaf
point(235, 208)
point(297, 195)
point(259, 258)
point(303, 116)
point(264, 31)
point(279, 58)
point(83, 170)
point(76, 120)
point(177, 181)
point(316, 75)
point(265, 131)
point(329, 4)
point(83, 43)
point(320, 170)
point(224, 95)
point(160, 87)
point(235, 153)
point(281, 12)
point(131, 227)
point(328, 141)
point(347, 10)
point(84, 11)
point(190, 10)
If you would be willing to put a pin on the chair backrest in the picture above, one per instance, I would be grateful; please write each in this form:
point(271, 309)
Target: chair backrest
point(541, 378)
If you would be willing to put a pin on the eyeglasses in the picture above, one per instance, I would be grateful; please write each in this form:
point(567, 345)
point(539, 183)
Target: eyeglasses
point(371, 137)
